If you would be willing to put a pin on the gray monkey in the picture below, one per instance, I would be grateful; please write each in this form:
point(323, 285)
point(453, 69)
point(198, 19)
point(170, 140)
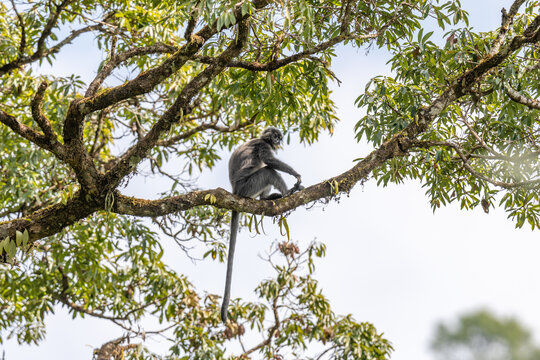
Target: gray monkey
point(252, 172)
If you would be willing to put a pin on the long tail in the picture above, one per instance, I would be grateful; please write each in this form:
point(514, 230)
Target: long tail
point(232, 244)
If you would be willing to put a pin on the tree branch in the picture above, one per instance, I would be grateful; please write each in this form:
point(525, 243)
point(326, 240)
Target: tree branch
point(523, 100)
point(40, 118)
point(47, 30)
point(117, 59)
point(193, 17)
point(53, 219)
point(395, 146)
point(63, 298)
point(22, 44)
point(40, 51)
point(28, 133)
point(213, 125)
point(15, 64)
point(113, 349)
point(278, 63)
point(507, 19)
point(147, 80)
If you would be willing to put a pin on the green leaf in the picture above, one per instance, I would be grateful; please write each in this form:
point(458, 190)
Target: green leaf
point(26, 237)
point(12, 248)
point(5, 244)
point(18, 237)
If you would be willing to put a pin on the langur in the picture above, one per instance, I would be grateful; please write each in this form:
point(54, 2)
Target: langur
point(253, 171)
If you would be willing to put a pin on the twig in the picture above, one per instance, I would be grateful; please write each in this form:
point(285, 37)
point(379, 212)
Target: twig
point(22, 44)
point(173, 140)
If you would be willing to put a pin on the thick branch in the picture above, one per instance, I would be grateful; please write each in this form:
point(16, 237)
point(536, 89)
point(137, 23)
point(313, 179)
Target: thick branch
point(507, 19)
point(531, 35)
point(193, 18)
point(53, 219)
point(396, 146)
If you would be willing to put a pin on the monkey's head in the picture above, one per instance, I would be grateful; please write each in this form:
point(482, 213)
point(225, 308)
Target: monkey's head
point(272, 136)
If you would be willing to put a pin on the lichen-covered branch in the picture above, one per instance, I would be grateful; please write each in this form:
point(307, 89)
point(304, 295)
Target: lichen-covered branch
point(507, 19)
point(53, 219)
point(118, 59)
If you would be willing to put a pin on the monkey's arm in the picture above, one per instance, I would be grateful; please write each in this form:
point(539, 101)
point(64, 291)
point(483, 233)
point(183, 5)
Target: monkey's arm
point(272, 162)
point(279, 165)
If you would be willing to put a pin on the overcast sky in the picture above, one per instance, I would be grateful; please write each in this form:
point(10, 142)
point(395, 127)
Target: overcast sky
point(390, 260)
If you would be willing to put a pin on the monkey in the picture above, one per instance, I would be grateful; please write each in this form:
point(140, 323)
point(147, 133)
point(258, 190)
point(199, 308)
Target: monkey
point(253, 171)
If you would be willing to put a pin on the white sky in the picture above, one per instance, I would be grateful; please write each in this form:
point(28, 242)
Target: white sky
point(390, 260)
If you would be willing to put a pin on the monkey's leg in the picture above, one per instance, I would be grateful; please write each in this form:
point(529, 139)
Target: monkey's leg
point(260, 182)
point(276, 180)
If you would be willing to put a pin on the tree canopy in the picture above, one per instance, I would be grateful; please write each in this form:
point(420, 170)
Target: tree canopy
point(182, 81)
point(480, 335)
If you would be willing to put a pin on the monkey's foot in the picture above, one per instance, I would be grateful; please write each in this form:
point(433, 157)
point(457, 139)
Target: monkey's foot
point(272, 197)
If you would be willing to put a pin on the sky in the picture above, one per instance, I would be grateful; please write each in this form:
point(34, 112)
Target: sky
point(390, 260)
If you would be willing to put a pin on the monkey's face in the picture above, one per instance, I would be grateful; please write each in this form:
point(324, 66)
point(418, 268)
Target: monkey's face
point(276, 140)
point(272, 136)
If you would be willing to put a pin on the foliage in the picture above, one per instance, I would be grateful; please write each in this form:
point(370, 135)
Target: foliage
point(481, 150)
point(482, 335)
point(114, 271)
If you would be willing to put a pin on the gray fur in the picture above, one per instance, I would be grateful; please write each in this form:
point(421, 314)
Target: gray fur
point(252, 173)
